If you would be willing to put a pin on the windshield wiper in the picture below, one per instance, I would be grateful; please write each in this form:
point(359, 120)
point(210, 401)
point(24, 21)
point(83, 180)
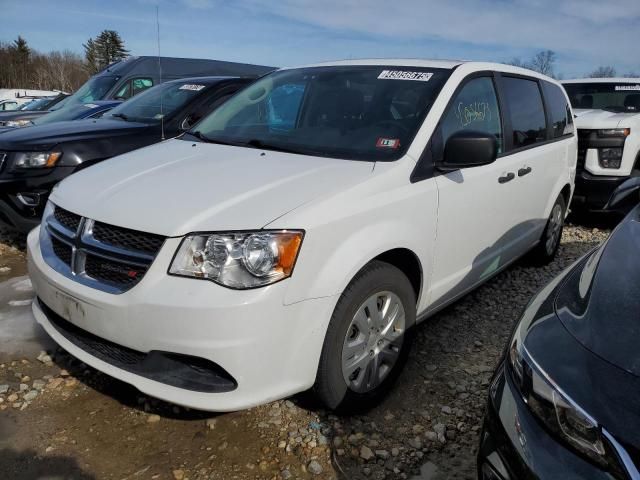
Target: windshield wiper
point(120, 115)
point(255, 143)
point(201, 136)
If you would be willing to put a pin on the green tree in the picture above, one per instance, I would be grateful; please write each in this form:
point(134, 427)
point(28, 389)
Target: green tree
point(91, 56)
point(20, 53)
point(110, 47)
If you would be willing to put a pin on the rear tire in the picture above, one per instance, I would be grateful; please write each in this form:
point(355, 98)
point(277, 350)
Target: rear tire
point(546, 250)
point(368, 339)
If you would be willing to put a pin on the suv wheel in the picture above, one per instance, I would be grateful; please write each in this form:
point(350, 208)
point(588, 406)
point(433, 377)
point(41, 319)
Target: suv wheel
point(368, 338)
point(547, 248)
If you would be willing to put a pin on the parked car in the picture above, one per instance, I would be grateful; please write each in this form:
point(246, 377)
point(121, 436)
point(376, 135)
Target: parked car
point(608, 122)
point(124, 79)
point(563, 402)
point(295, 235)
point(77, 112)
point(9, 105)
point(38, 157)
point(28, 112)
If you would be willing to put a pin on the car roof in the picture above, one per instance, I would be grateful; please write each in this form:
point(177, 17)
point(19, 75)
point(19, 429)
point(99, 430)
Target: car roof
point(434, 63)
point(603, 80)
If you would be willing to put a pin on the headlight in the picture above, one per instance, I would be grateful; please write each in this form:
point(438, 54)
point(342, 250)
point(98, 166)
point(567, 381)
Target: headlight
point(238, 259)
point(614, 132)
point(557, 411)
point(17, 123)
point(610, 157)
point(36, 159)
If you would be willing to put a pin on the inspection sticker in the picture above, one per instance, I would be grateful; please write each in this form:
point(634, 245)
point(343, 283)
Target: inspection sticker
point(405, 75)
point(190, 86)
point(624, 88)
point(388, 143)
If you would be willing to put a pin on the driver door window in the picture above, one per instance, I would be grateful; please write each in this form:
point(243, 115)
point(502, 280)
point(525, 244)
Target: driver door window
point(133, 87)
point(475, 107)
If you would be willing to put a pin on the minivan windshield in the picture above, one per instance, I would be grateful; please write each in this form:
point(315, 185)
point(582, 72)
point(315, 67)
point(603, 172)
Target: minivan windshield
point(613, 96)
point(351, 112)
point(157, 102)
point(93, 89)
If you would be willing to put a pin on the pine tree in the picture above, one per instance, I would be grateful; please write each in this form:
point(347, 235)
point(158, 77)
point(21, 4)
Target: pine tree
point(91, 57)
point(20, 53)
point(109, 47)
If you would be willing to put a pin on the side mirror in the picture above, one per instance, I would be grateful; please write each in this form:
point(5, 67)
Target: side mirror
point(624, 190)
point(469, 148)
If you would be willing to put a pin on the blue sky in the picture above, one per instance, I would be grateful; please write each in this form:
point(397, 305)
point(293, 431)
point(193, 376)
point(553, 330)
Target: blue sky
point(584, 33)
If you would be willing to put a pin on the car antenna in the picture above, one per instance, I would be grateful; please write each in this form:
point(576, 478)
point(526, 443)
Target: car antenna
point(160, 73)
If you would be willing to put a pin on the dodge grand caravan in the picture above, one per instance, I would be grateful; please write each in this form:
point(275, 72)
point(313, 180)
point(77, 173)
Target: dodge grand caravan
point(294, 236)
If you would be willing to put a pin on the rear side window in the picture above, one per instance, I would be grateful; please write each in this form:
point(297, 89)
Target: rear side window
point(475, 107)
point(559, 110)
point(526, 111)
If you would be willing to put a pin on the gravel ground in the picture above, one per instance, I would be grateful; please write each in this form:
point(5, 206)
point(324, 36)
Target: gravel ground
point(62, 419)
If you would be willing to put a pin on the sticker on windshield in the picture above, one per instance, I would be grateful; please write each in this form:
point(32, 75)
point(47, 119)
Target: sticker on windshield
point(392, 143)
point(405, 75)
point(191, 86)
point(90, 105)
point(627, 88)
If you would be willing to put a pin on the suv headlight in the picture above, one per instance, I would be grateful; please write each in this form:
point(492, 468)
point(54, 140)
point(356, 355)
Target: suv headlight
point(557, 411)
point(238, 260)
point(36, 159)
point(614, 132)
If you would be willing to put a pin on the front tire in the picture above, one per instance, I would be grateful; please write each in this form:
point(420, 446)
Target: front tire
point(546, 250)
point(368, 339)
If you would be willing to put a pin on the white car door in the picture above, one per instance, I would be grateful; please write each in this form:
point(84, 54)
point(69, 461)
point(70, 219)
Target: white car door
point(539, 163)
point(477, 206)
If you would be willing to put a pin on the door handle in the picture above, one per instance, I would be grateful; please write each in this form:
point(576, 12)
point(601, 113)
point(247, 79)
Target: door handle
point(506, 178)
point(524, 171)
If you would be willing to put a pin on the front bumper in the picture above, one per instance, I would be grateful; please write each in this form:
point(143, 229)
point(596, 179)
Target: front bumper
point(271, 350)
point(592, 192)
point(515, 446)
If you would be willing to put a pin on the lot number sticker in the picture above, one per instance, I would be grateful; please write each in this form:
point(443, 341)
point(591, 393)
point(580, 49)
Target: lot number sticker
point(625, 88)
point(405, 75)
point(189, 86)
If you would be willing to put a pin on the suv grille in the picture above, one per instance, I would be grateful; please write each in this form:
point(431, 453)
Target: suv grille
point(127, 239)
point(106, 257)
point(583, 142)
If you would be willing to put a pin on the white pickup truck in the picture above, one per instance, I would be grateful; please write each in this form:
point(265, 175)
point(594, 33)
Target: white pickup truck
point(608, 121)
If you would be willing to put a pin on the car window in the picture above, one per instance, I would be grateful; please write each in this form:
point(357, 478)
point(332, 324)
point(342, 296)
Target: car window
point(133, 87)
point(526, 111)
point(9, 106)
point(363, 112)
point(559, 110)
point(475, 107)
point(615, 97)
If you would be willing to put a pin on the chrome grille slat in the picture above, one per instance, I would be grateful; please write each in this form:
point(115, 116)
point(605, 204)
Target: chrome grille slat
point(70, 247)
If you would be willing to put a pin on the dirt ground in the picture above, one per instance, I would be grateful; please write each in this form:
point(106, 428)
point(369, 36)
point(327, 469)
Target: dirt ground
point(60, 419)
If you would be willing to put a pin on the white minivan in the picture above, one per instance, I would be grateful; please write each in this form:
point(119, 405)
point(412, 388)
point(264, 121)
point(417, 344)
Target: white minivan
point(296, 234)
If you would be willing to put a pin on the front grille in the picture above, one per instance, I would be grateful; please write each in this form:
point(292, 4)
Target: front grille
point(67, 219)
point(109, 258)
point(62, 251)
point(583, 144)
point(113, 273)
point(127, 239)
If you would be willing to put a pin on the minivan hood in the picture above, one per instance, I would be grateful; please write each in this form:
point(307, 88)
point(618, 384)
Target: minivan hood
point(600, 306)
point(45, 137)
point(176, 187)
point(594, 119)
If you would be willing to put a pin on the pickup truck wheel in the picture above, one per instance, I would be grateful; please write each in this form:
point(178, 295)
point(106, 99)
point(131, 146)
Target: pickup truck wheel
point(546, 250)
point(368, 339)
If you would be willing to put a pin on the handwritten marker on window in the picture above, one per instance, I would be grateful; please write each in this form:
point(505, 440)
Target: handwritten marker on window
point(388, 143)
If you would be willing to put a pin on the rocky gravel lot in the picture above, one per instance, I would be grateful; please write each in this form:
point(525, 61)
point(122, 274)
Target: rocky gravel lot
point(61, 419)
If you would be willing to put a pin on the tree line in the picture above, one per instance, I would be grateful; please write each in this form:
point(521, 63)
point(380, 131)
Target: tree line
point(26, 68)
point(545, 62)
